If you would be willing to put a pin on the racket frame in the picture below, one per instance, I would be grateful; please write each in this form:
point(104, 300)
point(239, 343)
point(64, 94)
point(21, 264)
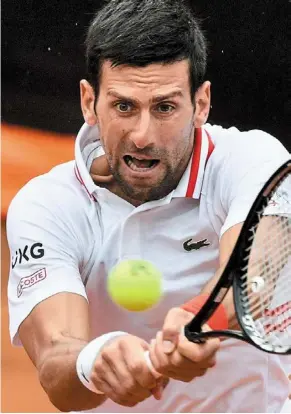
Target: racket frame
point(232, 277)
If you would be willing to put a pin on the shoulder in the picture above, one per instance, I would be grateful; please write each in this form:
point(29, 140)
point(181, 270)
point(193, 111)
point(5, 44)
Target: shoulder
point(235, 147)
point(57, 193)
point(240, 164)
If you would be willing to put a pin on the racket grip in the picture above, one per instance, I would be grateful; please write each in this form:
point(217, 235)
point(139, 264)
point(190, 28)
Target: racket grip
point(150, 365)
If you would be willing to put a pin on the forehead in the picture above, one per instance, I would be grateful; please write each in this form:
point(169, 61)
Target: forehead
point(156, 78)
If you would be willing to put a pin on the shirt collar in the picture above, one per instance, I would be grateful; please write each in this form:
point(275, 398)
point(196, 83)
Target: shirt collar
point(190, 184)
point(88, 147)
point(87, 142)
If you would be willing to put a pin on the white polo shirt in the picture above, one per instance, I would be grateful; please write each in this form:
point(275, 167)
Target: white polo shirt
point(65, 234)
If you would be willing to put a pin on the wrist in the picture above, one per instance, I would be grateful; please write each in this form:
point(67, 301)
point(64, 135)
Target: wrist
point(87, 356)
point(218, 321)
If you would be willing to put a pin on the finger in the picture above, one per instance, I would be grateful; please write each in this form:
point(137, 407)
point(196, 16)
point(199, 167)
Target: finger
point(100, 170)
point(184, 377)
point(172, 362)
point(198, 352)
point(206, 328)
point(183, 363)
point(157, 391)
point(120, 385)
point(175, 320)
point(116, 365)
point(125, 383)
point(104, 378)
point(136, 363)
point(159, 358)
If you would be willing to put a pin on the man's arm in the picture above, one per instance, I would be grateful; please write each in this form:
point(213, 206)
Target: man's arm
point(226, 246)
point(53, 335)
point(181, 359)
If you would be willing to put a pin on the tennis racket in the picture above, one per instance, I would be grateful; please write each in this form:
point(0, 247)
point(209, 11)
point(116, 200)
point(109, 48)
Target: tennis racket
point(259, 272)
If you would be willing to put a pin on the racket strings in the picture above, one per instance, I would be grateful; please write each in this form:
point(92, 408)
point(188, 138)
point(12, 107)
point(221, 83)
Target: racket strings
point(266, 287)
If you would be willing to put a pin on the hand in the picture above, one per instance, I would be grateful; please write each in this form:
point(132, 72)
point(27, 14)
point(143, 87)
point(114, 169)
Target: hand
point(174, 356)
point(100, 171)
point(122, 374)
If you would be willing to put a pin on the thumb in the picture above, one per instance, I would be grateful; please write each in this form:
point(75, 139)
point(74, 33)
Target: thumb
point(159, 388)
point(100, 171)
point(174, 322)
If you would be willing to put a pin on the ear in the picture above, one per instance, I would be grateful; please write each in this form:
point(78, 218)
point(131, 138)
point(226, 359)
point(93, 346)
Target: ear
point(202, 104)
point(87, 96)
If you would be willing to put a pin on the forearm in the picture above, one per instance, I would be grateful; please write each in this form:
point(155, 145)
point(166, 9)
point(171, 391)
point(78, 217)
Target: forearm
point(58, 377)
point(227, 301)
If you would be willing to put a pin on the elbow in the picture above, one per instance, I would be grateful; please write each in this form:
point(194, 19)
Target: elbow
point(68, 399)
point(58, 377)
point(57, 398)
point(65, 405)
point(54, 390)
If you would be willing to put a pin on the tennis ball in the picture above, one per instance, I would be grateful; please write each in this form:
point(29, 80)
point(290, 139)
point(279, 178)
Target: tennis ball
point(135, 285)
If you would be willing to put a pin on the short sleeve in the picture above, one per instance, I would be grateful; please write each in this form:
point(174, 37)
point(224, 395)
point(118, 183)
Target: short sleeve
point(253, 158)
point(45, 254)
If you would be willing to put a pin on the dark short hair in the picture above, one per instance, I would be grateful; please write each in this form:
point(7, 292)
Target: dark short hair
point(142, 32)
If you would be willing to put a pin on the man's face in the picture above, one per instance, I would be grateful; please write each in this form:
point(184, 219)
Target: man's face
point(146, 120)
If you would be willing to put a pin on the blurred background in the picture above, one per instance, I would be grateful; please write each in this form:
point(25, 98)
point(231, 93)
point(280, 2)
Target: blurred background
point(42, 63)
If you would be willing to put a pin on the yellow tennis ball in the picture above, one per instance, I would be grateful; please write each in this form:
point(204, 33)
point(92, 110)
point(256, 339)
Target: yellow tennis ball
point(136, 285)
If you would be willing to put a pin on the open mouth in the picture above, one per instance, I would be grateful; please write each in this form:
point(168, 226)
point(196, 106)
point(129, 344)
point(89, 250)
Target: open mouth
point(140, 164)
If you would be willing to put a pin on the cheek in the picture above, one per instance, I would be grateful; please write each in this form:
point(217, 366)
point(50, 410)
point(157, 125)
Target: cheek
point(111, 131)
point(177, 137)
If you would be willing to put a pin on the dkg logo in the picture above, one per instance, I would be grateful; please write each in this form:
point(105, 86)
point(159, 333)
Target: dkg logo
point(36, 251)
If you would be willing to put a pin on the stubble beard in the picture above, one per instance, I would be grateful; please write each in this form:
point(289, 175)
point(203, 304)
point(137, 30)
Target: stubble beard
point(143, 194)
point(163, 186)
point(139, 194)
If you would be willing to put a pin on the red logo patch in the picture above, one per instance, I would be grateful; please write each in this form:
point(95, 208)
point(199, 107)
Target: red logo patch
point(28, 281)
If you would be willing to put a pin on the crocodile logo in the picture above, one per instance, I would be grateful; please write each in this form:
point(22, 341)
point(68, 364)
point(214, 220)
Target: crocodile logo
point(189, 245)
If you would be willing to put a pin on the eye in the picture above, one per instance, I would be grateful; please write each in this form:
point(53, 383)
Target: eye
point(123, 106)
point(165, 108)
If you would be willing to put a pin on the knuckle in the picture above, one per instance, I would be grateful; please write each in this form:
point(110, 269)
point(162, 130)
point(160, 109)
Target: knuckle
point(120, 400)
point(176, 360)
point(212, 363)
point(202, 353)
point(131, 403)
point(96, 380)
point(196, 354)
point(172, 315)
point(163, 367)
point(98, 367)
point(136, 367)
point(187, 378)
point(201, 372)
point(126, 400)
point(108, 352)
point(128, 384)
point(213, 344)
point(175, 363)
point(124, 341)
point(174, 311)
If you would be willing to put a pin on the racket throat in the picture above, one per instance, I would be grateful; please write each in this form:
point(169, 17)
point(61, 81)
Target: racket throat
point(201, 337)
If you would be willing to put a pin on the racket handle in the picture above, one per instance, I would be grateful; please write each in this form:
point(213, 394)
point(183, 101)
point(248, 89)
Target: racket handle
point(150, 365)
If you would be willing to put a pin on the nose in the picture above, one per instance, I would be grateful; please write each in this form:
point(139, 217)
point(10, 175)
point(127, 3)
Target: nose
point(142, 134)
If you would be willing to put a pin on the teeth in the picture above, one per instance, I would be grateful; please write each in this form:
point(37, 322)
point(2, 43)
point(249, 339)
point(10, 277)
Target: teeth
point(142, 163)
point(134, 167)
point(139, 164)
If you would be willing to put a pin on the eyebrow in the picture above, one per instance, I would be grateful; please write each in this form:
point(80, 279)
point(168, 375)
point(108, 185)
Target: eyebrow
point(157, 98)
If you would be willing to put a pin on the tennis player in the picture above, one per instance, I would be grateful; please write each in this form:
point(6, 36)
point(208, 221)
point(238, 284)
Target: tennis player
point(151, 179)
